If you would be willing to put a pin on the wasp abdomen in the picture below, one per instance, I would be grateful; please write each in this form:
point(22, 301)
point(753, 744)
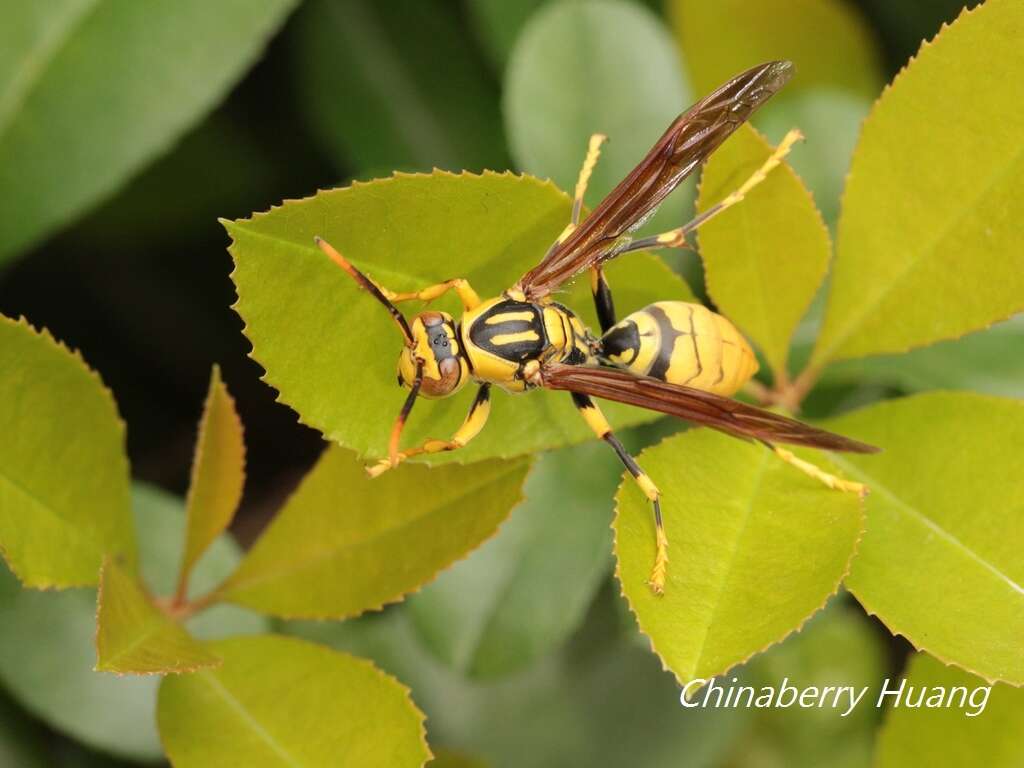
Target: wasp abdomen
point(681, 343)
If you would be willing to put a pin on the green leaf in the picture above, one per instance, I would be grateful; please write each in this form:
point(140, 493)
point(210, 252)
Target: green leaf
point(92, 91)
point(47, 648)
point(133, 636)
point(928, 243)
point(280, 701)
point(63, 470)
point(558, 712)
point(331, 350)
point(377, 96)
point(605, 66)
point(951, 736)
point(218, 475)
point(988, 361)
point(498, 23)
point(940, 560)
point(837, 647)
point(826, 39)
point(838, 74)
point(345, 543)
point(756, 547)
point(765, 257)
point(523, 592)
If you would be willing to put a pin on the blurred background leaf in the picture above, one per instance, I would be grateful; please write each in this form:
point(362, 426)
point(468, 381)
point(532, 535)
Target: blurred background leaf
point(838, 646)
point(91, 91)
point(949, 737)
point(63, 472)
point(600, 701)
point(47, 651)
point(522, 593)
point(377, 97)
point(943, 532)
point(604, 66)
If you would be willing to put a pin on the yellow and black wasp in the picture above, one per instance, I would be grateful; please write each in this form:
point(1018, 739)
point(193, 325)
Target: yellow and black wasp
point(673, 357)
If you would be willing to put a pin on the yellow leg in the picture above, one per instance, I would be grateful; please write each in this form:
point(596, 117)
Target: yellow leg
point(819, 474)
point(676, 238)
point(465, 291)
point(593, 152)
point(597, 422)
point(471, 426)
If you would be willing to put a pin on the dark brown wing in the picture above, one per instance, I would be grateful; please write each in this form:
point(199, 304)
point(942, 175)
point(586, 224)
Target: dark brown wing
point(688, 141)
point(722, 413)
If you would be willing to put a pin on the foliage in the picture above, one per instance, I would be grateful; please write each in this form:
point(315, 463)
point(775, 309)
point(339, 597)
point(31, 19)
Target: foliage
point(913, 269)
point(303, 314)
point(938, 737)
point(519, 644)
point(755, 548)
point(395, 534)
point(64, 478)
point(764, 259)
point(70, 78)
point(283, 701)
point(941, 527)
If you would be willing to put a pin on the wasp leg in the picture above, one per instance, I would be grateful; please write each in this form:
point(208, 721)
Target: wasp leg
point(461, 286)
point(593, 152)
point(602, 299)
point(676, 238)
point(598, 283)
point(597, 422)
point(818, 473)
point(471, 426)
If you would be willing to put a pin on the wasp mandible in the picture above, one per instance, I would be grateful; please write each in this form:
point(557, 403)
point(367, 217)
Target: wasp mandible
point(673, 357)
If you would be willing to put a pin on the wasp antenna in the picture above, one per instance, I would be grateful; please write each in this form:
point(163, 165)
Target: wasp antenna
point(367, 285)
point(403, 415)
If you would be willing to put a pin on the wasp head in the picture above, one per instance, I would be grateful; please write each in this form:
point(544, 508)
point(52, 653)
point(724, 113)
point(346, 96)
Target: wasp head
point(435, 346)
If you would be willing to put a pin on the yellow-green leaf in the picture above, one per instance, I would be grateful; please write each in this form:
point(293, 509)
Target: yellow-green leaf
point(965, 733)
point(755, 548)
point(63, 471)
point(48, 649)
point(765, 257)
point(928, 246)
point(940, 561)
point(218, 475)
point(345, 543)
point(280, 701)
point(133, 636)
point(826, 39)
point(838, 74)
point(331, 350)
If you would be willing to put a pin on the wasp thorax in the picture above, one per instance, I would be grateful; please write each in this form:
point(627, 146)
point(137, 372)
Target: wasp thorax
point(436, 347)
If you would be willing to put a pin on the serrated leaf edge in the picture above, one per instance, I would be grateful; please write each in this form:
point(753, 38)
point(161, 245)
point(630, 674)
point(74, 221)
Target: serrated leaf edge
point(48, 337)
point(799, 628)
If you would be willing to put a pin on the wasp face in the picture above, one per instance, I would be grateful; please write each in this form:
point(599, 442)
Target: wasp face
point(436, 343)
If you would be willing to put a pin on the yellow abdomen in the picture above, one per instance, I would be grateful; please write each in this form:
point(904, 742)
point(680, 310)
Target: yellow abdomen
point(684, 344)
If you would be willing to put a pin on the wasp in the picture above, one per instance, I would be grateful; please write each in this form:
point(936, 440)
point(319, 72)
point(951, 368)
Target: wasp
point(672, 357)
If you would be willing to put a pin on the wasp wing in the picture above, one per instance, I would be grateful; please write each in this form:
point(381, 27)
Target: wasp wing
point(695, 405)
point(688, 141)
